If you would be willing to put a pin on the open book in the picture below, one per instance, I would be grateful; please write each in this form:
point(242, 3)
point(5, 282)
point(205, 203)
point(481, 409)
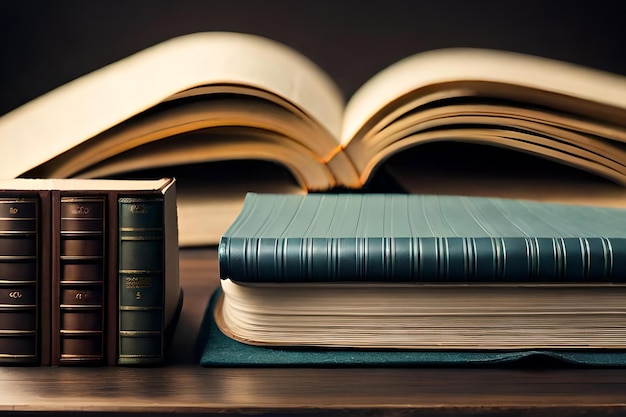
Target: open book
point(186, 104)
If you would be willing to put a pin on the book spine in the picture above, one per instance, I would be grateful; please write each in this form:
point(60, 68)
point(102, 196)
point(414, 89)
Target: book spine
point(78, 290)
point(19, 281)
point(453, 259)
point(141, 281)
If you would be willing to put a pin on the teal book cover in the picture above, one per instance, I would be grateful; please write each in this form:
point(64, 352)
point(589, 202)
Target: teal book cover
point(421, 238)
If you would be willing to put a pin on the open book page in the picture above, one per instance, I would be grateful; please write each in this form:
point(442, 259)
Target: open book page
point(219, 144)
point(137, 140)
point(518, 130)
point(500, 67)
point(86, 107)
point(434, 76)
point(491, 113)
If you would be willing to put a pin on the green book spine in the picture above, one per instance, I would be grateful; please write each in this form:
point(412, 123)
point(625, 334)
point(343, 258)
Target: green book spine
point(19, 281)
point(410, 238)
point(141, 281)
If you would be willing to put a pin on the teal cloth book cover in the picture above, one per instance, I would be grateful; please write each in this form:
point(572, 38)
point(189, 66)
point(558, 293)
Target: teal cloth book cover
point(421, 238)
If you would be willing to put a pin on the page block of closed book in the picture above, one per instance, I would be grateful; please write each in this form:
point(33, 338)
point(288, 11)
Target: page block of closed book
point(219, 350)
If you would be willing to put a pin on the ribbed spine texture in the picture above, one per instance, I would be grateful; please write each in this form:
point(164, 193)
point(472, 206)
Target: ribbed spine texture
point(423, 259)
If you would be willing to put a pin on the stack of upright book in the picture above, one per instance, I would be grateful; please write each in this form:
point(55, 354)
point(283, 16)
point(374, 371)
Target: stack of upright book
point(398, 272)
point(88, 271)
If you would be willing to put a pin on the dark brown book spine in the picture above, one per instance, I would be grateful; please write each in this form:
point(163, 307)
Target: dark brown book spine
point(19, 280)
point(79, 271)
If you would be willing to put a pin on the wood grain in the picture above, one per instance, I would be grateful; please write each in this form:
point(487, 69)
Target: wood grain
point(183, 387)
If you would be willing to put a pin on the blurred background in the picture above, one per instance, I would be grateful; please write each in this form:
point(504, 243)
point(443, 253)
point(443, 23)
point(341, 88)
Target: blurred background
point(45, 44)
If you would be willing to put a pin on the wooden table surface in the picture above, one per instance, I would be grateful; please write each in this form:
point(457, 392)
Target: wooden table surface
point(184, 387)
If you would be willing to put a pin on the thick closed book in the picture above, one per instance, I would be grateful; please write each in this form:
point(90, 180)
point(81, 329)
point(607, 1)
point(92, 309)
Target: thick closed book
point(423, 238)
point(387, 271)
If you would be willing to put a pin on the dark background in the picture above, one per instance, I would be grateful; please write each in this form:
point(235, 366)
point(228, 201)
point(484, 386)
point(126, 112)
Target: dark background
point(47, 43)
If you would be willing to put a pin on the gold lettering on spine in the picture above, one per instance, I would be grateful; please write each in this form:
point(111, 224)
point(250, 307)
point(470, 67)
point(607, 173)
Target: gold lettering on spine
point(138, 282)
point(80, 210)
point(16, 295)
point(139, 208)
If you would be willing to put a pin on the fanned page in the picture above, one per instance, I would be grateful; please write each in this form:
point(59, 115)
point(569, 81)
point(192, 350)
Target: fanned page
point(82, 109)
point(227, 128)
point(578, 114)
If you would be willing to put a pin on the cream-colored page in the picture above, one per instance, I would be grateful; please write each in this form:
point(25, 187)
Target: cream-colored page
point(450, 65)
point(478, 316)
point(219, 145)
point(501, 115)
point(509, 129)
point(81, 109)
point(224, 113)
